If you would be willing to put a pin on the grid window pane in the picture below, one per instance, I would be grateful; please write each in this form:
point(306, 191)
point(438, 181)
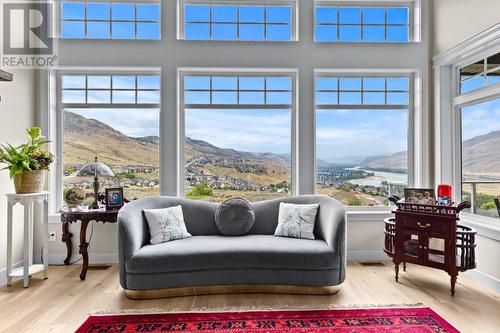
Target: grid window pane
point(98, 30)
point(398, 83)
point(72, 11)
point(123, 11)
point(197, 97)
point(326, 83)
point(371, 24)
point(373, 15)
point(397, 98)
point(374, 83)
point(251, 97)
point(99, 82)
point(197, 82)
point(73, 82)
point(326, 15)
point(279, 14)
point(352, 84)
point(148, 12)
point(252, 83)
point(397, 15)
point(224, 83)
point(279, 83)
point(148, 82)
point(98, 96)
point(224, 14)
point(123, 97)
point(279, 98)
point(326, 98)
point(123, 82)
point(349, 33)
point(350, 98)
point(106, 20)
point(73, 96)
point(350, 15)
point(123, 30)
point(148, 30)
point(278, 32)
point(148, 97)
point(252, 32)
point(243, 22)
point(251, 14)
point(371, 98)
point(70, 29)
point(224, 31)
point(224, 97)
point(98, 11)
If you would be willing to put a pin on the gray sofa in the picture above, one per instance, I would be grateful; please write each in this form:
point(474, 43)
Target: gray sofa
point(211, 263)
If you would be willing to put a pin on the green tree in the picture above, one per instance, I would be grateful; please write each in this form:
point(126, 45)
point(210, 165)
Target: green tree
point(202, 190)
point(354, 201)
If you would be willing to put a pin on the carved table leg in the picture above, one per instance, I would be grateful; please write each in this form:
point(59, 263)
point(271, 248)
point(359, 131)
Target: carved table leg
point(66, 238)
point(396, 270)
point(83, 249)
point(404, 266)
point(453, 281)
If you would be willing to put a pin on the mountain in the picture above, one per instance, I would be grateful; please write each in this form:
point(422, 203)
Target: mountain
point(84, 138)
point(481, 154)
point(394, 162)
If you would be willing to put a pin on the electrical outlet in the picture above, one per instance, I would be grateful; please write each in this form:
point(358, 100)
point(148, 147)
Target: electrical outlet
point(53, 236)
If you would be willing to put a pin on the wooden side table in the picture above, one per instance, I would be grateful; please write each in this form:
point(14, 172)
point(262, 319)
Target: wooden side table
point(27, 200)
point(84, 217)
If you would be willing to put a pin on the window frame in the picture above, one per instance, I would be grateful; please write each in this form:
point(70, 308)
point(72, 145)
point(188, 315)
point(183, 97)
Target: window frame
point(57, 173)
point(227, 71)
point(110, 20)
point(275, 3)
point(414, 110)
point(413, 6)
point(459, 101)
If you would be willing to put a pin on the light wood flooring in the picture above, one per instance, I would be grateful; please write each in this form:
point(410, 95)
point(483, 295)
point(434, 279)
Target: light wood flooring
point(63, 302)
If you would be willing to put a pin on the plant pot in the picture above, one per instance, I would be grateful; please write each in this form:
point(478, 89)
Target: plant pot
point(30, 181)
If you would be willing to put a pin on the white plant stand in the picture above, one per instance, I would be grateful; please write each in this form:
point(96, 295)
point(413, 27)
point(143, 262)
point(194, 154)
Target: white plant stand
point(28, 269)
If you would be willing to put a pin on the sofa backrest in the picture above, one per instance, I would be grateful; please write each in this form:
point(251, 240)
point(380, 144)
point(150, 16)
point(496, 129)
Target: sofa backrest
point(199, 216)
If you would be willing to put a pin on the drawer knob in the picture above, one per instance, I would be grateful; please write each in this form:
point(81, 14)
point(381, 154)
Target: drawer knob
point(421, 225)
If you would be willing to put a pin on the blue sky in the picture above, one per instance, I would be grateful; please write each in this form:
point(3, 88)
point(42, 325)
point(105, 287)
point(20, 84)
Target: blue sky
point(479, 119)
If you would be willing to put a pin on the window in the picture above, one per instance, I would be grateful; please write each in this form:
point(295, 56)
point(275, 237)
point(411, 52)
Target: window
point(482, 73)
point(235, 21)
point(481, 157)
point(362, 143)
point(367, 23)
point(238, 134)
point(116, 118)
point(108, 20)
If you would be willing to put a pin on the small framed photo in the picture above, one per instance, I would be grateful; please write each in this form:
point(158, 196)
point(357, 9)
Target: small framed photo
point(114, 198)
point(421, 196)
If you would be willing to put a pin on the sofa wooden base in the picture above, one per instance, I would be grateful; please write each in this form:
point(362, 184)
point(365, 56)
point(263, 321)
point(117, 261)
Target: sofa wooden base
point(232, 289)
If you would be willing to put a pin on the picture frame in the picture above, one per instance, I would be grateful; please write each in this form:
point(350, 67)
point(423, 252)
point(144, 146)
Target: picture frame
point(114, 198)
point(420, 196)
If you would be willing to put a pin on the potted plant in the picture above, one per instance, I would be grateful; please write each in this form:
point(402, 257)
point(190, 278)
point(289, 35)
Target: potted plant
point(27, 163)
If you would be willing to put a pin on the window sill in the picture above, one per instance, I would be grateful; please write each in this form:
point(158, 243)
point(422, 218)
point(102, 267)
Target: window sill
point(368, 214)
point(485, 227)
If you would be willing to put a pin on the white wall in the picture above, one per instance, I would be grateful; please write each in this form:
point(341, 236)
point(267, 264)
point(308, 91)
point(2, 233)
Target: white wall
point(304, 55)
point(17, 113)
point(456, 20)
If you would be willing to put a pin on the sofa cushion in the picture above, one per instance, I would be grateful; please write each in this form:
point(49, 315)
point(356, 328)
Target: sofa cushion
point(296, 220)
point(238, 252)
point(234, 217)
point(166, 224)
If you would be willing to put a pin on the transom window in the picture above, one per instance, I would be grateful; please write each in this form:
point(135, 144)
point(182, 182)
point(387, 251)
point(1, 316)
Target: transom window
point(111, 89)
point(109, 20)
point(351, 23)
point(238, 131)
point(362, 136)
point(482, 73)
point(238, 90)
point(238, 21)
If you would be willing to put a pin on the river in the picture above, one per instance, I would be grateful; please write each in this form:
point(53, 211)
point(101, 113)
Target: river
point(379, 177)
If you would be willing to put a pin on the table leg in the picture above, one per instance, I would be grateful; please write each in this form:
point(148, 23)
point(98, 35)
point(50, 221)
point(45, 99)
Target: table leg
point(83, 249)
point(453, 281)
point(46, 239)
point(396, 271)
point(66, 238)
point(9, 244)
point(26, 262)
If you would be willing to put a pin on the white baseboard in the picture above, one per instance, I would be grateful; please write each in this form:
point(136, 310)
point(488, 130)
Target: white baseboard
point(3, 273)
point(360, 255)
point(100, 258)
point(484, 279)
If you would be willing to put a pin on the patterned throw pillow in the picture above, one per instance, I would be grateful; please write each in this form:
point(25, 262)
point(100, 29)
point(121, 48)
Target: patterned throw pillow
point(166, 224)
point(296, 221)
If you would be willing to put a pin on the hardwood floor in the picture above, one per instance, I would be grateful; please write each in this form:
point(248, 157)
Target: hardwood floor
point(63, 302)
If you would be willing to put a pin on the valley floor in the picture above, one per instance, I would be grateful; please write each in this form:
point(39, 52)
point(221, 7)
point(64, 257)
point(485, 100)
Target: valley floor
point(63, 302)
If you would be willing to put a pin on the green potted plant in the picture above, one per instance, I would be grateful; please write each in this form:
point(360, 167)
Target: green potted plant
point(27, 163)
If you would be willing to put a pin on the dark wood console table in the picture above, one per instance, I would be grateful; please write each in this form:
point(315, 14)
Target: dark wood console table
point(84, 217)
point(429, 235)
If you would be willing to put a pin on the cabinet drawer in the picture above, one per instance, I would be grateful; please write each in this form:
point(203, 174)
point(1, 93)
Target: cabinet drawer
point(423, 225)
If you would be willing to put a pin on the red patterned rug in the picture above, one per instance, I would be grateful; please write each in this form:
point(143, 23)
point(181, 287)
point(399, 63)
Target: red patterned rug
point(404, 320)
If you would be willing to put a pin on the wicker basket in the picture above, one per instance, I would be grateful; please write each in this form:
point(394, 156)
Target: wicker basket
point(30, 181)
